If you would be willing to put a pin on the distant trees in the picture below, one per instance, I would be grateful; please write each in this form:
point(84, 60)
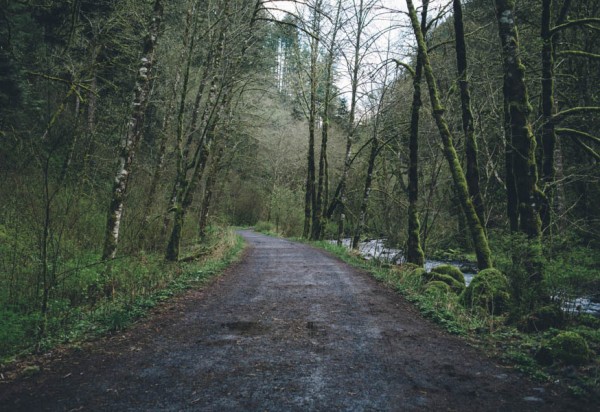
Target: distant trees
point(229, 36)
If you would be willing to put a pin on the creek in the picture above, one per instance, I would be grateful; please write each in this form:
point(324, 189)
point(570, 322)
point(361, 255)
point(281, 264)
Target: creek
point(376, 249)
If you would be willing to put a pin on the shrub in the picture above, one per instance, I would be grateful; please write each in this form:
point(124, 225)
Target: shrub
point(567, 347)
point(11, 332)
point(489, 289)
point(263, 226)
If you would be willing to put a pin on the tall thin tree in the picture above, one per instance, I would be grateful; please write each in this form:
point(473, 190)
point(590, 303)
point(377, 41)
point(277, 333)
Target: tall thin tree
point(414, 251)
point(480, 240)
point(468, 124)
point(132, 135)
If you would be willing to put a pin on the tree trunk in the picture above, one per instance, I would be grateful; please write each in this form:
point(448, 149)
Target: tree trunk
point(414, 251)
point(183, 180)
point(548, 129)
point(132, 137)
point(480, 241)
point(318, 221)
point(167, 118)
point(341, 200)
point(310, 201)
point(208, 191)
point(523, 142)
point(548, 139)
point(467, 115)
point(362, 218)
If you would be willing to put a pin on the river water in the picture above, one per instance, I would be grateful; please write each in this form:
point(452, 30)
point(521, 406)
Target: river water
point(376, 249)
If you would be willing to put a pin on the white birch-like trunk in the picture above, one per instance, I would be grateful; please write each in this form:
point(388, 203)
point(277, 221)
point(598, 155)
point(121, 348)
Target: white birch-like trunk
point(131, 138)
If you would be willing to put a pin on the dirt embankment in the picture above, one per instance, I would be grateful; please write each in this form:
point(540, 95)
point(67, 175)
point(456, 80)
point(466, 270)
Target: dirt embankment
point(288, 328)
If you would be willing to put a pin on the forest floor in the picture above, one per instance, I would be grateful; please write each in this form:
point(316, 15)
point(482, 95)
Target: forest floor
point(289, 327)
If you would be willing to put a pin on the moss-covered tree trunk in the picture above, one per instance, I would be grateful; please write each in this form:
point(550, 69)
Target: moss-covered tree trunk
point(414, 251)
point(548, 129)
point(480, 241)
point(467, 114)
point(512, 201)
point(181, 182)
point(187, 186)
point(166, 123)
point(132, 136)
point(550, 39)
point(523, 142)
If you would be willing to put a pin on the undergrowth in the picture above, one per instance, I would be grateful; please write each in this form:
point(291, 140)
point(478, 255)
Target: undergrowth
point(138, 283)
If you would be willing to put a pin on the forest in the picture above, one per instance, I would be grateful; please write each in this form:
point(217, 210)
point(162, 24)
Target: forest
point(135, 135)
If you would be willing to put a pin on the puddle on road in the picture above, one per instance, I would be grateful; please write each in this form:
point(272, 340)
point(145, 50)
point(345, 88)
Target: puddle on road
point(245, 328)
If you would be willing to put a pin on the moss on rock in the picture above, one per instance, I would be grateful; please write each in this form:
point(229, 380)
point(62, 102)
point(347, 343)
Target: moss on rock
point(451, 271)
point(567, 347)
point(419, 272)
point(489, 289)
point(456, 286)
point(437, 287)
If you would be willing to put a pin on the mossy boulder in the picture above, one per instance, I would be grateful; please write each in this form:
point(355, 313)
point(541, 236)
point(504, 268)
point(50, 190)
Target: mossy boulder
point(490, 290)
point(544, 318)
point(451, 271)
point(437, 288)
point(419, 273)
point(566, 347)
point(456, 286)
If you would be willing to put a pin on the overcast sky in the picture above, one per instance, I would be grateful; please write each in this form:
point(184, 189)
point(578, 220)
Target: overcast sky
point(388, 21)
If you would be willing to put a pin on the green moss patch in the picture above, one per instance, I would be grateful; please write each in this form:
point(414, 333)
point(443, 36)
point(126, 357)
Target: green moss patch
point(566, 347)
point(489, 289)
point(437, 287)
point(456, 286)
point(451, 271)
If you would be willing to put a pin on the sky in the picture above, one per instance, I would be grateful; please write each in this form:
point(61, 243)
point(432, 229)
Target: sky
point(395, 41)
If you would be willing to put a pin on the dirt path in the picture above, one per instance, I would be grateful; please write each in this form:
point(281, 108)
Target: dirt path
point(288, 328)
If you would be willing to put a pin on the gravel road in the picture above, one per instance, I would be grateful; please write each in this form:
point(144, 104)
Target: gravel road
point(289, 328)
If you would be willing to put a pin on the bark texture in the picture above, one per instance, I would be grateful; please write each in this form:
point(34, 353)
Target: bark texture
point(341, 199)
point(310, 199)
point(480, 241)
point(467, 115)
point(414, 251)
point(132, 136)
point(523, 143)
point(322, 183)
